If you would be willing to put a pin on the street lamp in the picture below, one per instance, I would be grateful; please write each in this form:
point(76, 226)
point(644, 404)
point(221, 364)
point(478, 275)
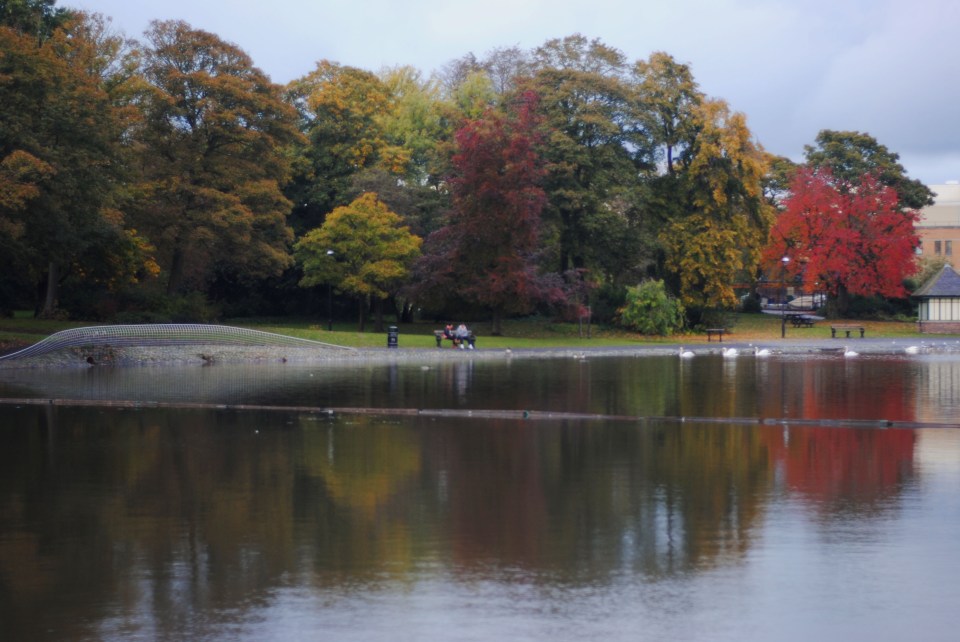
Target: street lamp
point(330, 253)
point(783, 297)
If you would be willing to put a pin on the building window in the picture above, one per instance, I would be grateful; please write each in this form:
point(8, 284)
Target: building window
point(948, 248)
point(936, 247)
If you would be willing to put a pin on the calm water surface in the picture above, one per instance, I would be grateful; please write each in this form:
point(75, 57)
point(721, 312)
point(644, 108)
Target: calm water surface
point(219, 524)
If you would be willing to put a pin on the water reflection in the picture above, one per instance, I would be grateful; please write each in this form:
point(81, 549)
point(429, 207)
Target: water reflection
point(218, 524)
point(813, 387)
point(165, 519)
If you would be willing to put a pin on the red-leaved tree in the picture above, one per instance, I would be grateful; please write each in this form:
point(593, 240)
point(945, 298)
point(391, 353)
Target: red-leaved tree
point(844, 239)
point(486, 254)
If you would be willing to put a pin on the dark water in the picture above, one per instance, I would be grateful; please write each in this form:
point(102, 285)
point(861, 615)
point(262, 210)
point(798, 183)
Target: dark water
point(220, 524)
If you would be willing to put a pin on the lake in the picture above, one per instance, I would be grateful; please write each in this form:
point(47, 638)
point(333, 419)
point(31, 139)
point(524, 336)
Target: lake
point(795, 497)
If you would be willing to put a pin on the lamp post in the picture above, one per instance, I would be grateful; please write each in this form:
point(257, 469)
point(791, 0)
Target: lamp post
point(330, 254)
point(783, 297)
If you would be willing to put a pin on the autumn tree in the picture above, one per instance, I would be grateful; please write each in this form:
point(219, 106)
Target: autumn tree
point(340, 110)
point(486, 255)
point(421, 206)
point(214, 137)
point(65, 121)
point(362, 249)
point(845, 240)
point(717, 236)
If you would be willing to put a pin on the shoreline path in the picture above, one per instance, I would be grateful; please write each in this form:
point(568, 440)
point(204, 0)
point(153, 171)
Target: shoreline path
point(198, 351)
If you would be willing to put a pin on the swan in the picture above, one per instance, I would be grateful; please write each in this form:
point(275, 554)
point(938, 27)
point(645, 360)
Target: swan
point(730, 352)
point(912, 349)
point(847, 352)
point(758, 352)
point(685, 354)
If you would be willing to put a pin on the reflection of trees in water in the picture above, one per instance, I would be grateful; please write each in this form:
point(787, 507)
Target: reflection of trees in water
point(597, 500)
point(155, 513)
point(839, 389)
point(164, 515)
point(357, 476)
point(844, 471)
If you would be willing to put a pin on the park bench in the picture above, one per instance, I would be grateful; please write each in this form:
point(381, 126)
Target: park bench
point(802, 320)
point(471, 339)
point(715, 331)
point(846, 328)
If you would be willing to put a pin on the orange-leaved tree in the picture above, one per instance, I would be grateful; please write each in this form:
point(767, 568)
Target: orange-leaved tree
point(844, 239)
point(215, 138)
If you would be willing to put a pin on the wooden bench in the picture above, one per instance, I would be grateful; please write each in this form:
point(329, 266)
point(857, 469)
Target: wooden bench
point(471, 339)
point(715, 331)
point(846, 329)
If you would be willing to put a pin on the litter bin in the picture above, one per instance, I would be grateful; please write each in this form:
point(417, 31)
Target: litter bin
point(392, 336)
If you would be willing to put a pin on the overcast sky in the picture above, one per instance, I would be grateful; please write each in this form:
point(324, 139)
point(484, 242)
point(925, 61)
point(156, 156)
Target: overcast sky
point(890, 68)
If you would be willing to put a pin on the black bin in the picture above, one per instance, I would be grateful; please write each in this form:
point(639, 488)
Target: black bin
point(393, 335)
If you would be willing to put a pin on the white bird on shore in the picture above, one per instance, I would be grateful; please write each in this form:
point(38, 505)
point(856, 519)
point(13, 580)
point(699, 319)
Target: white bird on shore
point(761, 352)
point(847, 352)
point(685, 354)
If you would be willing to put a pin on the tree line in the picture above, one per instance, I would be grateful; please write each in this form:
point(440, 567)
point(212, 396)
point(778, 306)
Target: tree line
point(170, 179)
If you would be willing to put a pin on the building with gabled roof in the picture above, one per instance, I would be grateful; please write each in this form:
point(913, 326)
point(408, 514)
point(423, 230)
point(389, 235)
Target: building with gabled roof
point(940, 303)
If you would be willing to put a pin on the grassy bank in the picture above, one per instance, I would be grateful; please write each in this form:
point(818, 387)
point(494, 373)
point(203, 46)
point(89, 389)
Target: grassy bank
point(23, 330)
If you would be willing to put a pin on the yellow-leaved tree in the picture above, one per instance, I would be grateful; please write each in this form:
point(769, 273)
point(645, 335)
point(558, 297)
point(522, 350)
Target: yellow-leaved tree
point(725, 219)
point(363, 249)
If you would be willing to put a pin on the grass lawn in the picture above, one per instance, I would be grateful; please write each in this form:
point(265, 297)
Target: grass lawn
point(23, 330)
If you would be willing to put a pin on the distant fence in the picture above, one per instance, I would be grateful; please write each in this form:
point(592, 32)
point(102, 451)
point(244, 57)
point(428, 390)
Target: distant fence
point(167, 334)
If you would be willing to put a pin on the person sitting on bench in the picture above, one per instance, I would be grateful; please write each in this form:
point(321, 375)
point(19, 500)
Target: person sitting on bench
point(448, 333)
point(462, 334)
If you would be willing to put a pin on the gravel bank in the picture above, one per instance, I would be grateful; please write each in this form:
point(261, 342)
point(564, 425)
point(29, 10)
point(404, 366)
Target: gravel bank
point(212, 354)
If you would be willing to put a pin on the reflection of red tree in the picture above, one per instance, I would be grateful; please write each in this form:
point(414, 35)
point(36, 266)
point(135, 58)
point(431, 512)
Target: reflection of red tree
point(860, 465)
point(835, 389)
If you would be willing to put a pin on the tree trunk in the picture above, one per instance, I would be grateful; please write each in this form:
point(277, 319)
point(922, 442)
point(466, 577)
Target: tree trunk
point(378, 317)
point(843, 301)
point(497, 324)
point(360, 311)
point(176, 272)
point(51, 296)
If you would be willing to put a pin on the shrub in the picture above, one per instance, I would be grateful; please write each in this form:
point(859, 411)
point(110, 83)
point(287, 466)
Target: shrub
point(192, 308)
point(650, 310)
point(751, 303)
